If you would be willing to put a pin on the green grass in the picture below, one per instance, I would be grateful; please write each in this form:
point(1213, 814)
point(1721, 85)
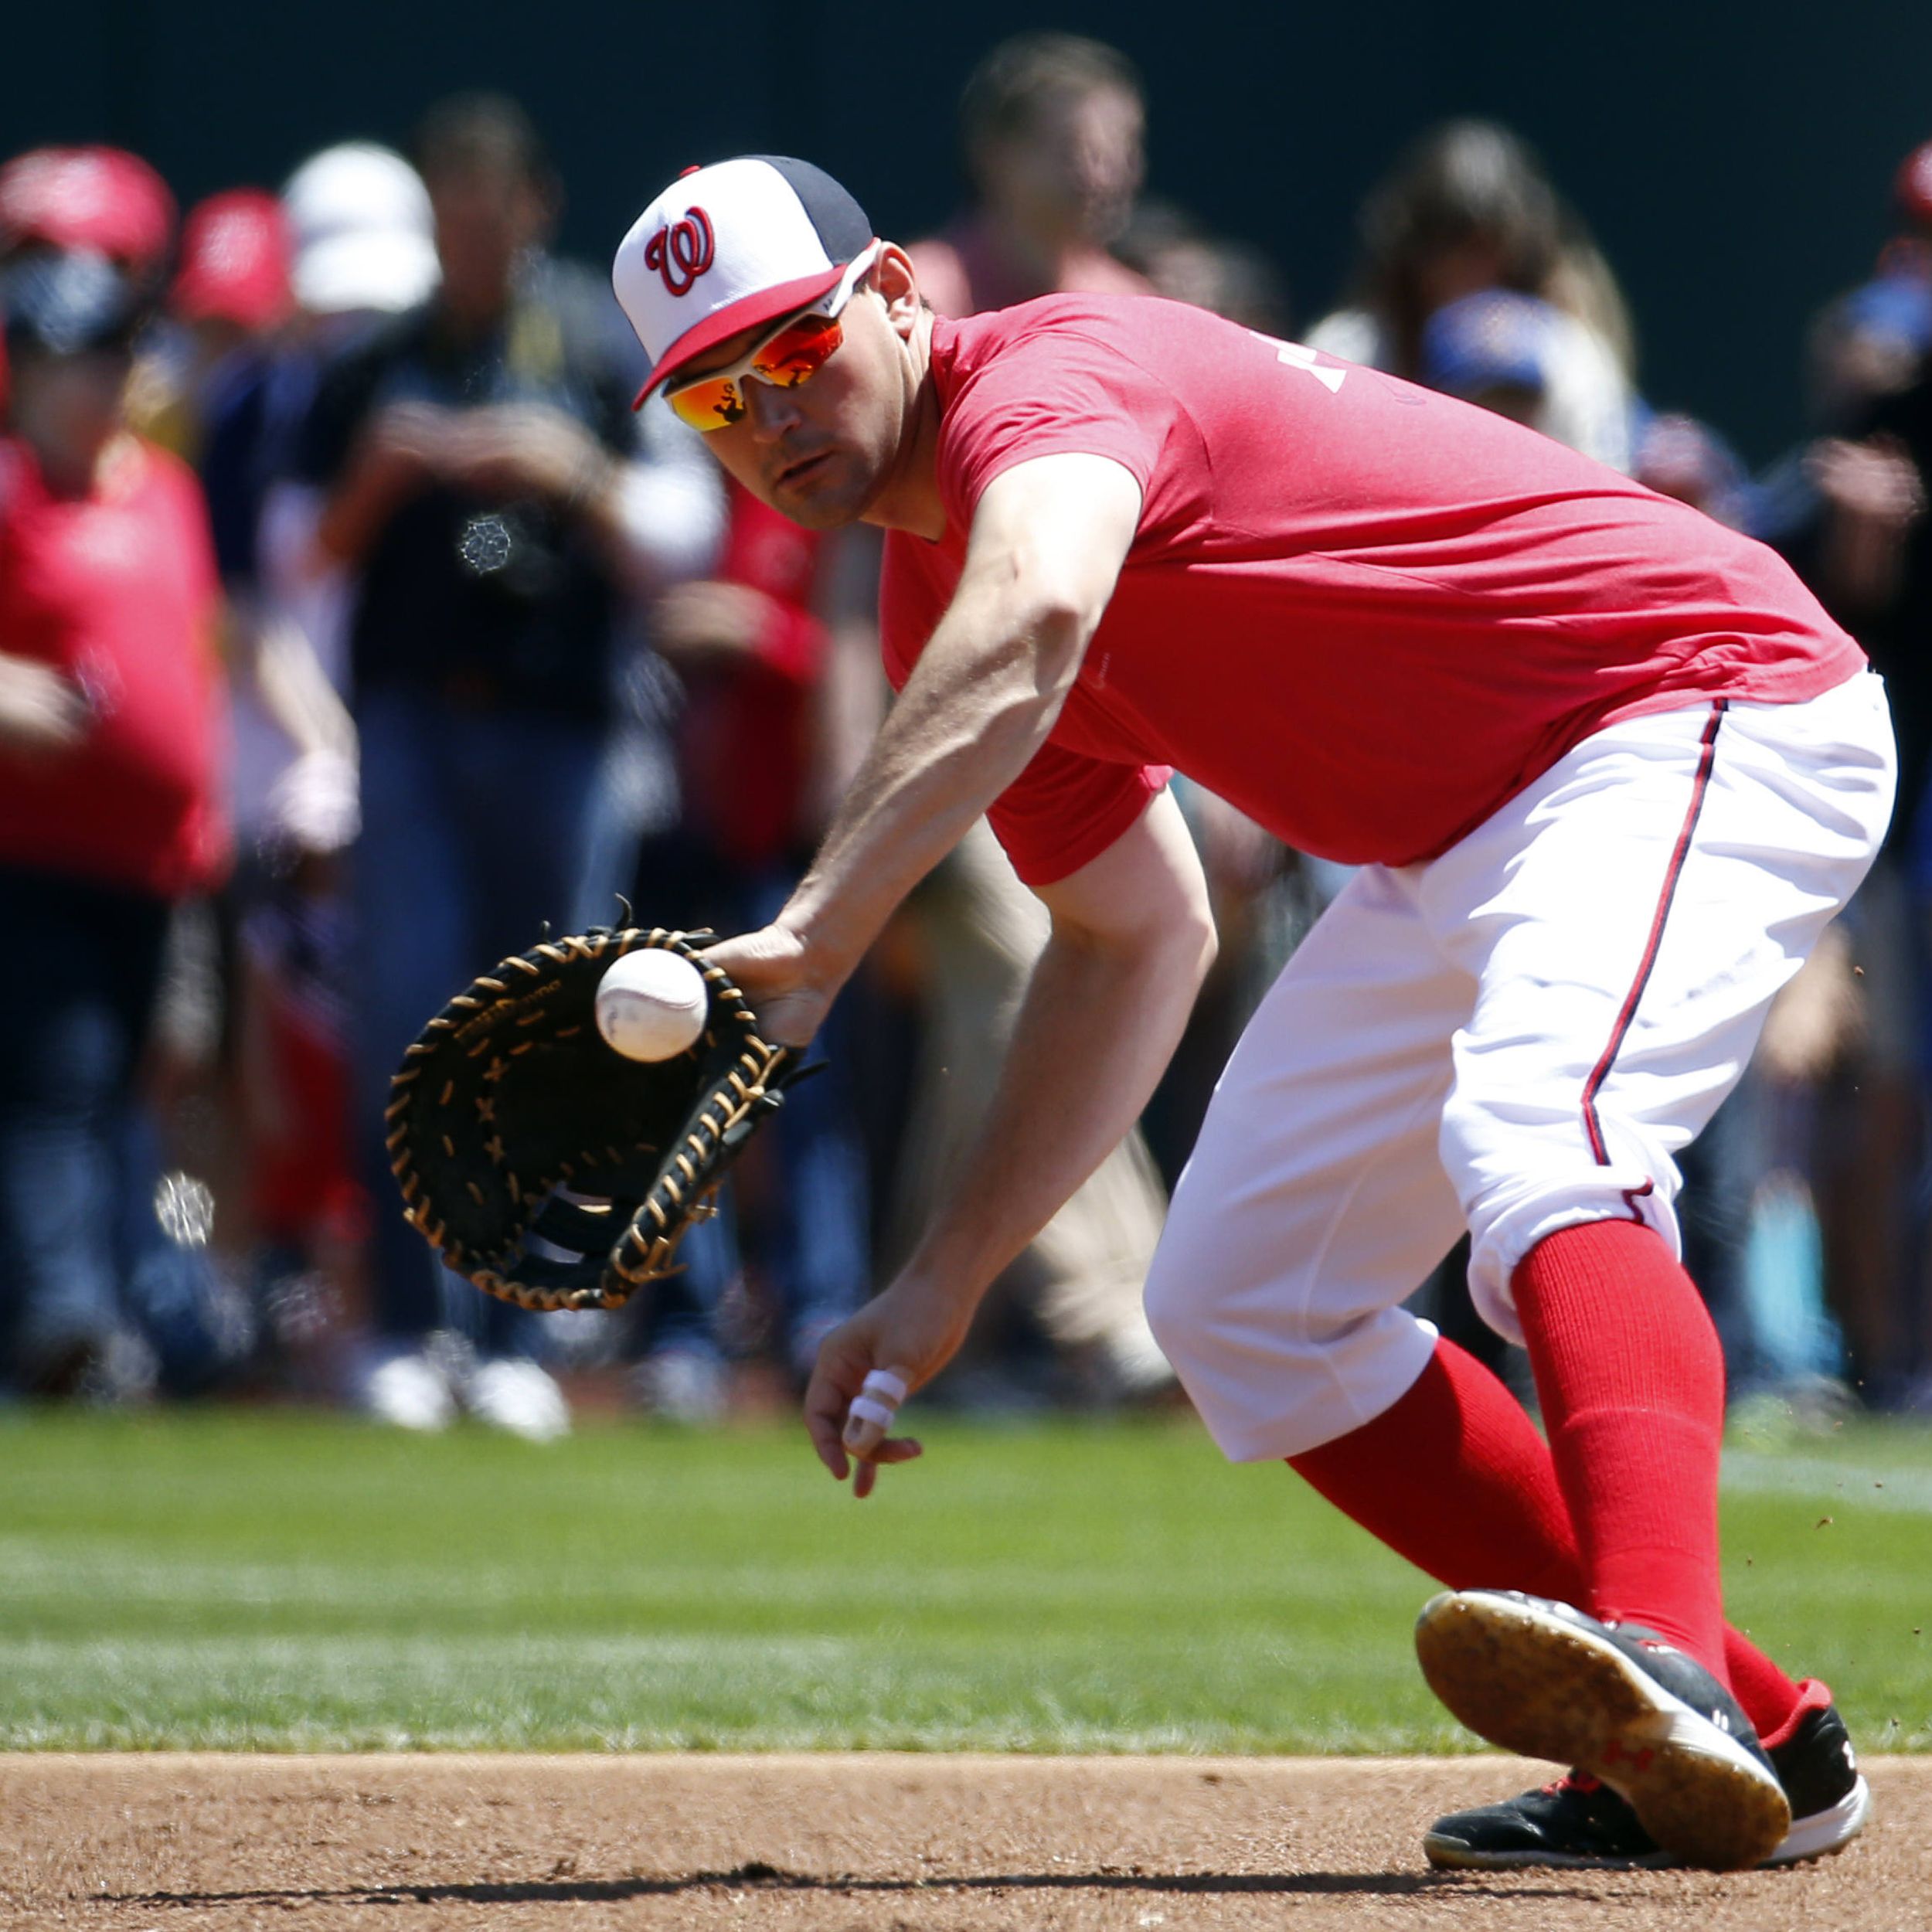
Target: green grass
point(278, 1582)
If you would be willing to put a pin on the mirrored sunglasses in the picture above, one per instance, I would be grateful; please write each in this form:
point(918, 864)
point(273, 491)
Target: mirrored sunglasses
point(795, 352)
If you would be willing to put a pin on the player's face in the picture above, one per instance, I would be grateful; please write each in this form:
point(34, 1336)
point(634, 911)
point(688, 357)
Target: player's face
point(821, 453)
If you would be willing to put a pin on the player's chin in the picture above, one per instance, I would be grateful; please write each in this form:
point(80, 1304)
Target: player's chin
point(819, 493)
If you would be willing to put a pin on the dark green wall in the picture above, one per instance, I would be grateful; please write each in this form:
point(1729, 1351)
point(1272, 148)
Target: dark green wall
point(1734, 159)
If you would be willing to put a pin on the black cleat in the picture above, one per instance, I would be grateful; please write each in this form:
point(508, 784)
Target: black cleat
point(1575, 1821)
point(1616, 1700)
point(1830, 1799)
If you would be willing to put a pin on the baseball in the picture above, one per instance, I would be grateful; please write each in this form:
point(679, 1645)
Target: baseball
point(651, 1005)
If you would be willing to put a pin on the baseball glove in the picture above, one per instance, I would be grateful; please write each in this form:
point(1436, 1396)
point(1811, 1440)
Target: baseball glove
point(544, 1166)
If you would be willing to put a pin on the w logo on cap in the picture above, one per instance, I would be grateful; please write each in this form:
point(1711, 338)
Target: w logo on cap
point(682, 250)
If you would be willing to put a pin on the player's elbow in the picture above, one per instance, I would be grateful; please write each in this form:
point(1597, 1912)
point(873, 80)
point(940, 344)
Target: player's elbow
point(1205, 938)
point(1056, 623)
point(1190, 935)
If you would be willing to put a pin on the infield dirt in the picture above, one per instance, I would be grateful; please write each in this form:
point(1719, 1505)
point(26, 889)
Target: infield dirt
point(881, 1843)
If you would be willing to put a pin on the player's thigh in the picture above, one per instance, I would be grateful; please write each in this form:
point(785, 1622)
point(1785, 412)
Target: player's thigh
point(1630, 924)
point(1314, 1201)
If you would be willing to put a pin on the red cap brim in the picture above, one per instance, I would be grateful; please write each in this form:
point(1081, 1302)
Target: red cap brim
point(767, 305)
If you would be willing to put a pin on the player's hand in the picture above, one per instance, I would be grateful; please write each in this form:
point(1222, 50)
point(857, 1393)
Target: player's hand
point(41, 712)
point(771, 968)
point(902, 1339)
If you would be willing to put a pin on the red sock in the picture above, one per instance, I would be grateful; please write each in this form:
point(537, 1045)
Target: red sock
point(1631, 1380)
point(1454, 1478)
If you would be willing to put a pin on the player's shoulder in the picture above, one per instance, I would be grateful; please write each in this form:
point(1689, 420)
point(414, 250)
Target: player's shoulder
point(1072, 329)
point(1105, 311)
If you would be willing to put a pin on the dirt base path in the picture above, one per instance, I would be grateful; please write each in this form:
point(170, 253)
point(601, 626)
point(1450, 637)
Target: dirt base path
point(874, 1844)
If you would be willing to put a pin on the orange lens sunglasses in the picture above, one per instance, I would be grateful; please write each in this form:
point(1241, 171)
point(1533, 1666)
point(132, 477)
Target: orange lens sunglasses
point(795, 352)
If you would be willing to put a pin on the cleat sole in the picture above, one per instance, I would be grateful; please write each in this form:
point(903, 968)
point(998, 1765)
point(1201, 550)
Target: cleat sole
point(1535, 1684)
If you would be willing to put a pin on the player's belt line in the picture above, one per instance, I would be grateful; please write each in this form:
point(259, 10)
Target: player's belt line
point(1707, 756)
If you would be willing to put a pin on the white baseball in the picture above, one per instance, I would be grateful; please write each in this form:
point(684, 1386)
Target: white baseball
point(651, 1004)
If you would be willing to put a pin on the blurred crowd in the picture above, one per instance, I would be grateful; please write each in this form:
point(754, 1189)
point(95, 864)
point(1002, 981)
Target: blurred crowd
point(353, 628)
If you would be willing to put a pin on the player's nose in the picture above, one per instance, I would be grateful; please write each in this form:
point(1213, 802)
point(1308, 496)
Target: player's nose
point(770, 411)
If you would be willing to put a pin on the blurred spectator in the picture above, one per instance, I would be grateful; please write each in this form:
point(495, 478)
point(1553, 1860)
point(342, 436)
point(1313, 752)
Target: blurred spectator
point(1847, 508)
point(1494, 348)
point(1051, 129)
point(110, 805)
point(483, 481)
point(1872, 561)
point(101, 200)
point(363, 232)
point(231, 289)
point(1475, 275)
point(1871, 343)
point(1179, 258)
point(362, 249)
point(1467, 207)
point(1678, 456)
point(353, 229)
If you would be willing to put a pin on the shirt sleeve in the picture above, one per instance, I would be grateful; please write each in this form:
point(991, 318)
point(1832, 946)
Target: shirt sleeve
point(1065, 809)
point(1054, 393)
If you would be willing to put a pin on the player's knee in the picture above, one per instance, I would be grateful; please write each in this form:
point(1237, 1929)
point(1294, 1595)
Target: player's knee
point(1173, 1314)
point(1503, 1231)
point(1270, 1374)
point(1199, 1311)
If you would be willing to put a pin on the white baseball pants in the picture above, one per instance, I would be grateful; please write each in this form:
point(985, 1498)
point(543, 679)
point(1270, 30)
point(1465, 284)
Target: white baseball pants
point(1513, 1038)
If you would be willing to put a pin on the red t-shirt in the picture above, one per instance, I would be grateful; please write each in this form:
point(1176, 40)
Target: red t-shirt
point(1364, 614)
point(119, 591)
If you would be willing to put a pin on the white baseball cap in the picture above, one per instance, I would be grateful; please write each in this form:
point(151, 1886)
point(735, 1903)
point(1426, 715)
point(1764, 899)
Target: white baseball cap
point(363, 232)
point(728, 247)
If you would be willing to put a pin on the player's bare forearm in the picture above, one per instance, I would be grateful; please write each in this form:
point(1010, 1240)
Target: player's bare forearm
point(1132, 936)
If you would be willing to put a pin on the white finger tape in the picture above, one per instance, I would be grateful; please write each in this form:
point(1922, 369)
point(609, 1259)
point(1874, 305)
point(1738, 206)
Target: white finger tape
point(883, 1382)
point(865, 1409)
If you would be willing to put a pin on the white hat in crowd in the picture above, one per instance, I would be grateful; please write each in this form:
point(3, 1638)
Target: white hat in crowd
point(364, 235)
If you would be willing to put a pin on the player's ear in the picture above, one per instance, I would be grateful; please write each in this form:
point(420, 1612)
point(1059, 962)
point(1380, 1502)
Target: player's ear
point(896, 283)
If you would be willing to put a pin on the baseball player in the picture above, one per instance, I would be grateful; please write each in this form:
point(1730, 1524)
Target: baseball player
point(1607, 769)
